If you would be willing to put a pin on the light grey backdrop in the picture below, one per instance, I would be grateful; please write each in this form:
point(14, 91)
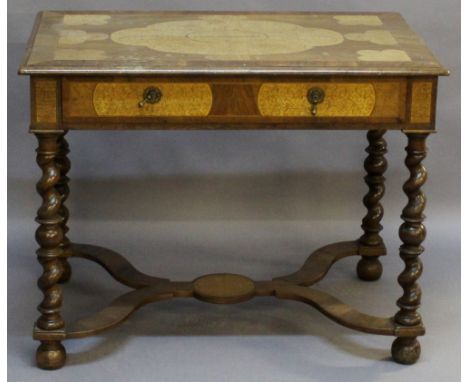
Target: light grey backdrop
point(181, 204)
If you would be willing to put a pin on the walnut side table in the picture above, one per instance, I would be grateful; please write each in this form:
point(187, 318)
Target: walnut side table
point(199, 70)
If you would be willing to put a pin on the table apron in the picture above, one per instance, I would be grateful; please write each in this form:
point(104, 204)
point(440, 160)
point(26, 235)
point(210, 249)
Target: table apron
point(359, 103)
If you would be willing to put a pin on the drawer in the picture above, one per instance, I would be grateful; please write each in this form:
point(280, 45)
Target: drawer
point(240, 102)
point(344, 100)
point(138, 99)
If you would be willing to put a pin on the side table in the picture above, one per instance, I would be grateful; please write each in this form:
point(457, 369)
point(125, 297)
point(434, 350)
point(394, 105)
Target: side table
point(203, 70)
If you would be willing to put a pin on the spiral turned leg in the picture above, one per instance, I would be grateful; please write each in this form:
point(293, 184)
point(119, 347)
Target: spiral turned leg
point(50, 236)
point(369, 268)
point(63, 163)
point(412, 234)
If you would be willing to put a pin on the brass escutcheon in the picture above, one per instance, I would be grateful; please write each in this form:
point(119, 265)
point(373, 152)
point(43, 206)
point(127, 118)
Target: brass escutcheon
point(150, 95)
point(315, 96)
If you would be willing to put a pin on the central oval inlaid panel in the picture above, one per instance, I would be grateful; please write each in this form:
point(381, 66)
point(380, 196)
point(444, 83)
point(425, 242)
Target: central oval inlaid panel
point(341, 99)
point(228, 37)
point(223, 288)
point(120, 99)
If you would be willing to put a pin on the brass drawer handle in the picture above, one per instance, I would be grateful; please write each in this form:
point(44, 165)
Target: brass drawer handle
point(150, 95)
point(315, 96)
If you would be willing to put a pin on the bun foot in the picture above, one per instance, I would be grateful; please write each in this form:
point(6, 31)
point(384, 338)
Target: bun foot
point(369, 269)
point(406, 350)
point(50, 355)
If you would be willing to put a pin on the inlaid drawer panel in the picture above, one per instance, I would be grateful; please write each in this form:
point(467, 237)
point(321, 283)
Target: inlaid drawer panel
point(127, 99)
point(248, 102)
point(348, 99)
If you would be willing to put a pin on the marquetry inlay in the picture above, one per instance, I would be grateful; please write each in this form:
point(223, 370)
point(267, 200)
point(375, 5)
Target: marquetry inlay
point(228, 37)
point(124, 70)
point(45, 100)
point(178, 99)
point(421, 102)
point(341, 100)
point(223, 288)
point(167, 42)
point(355, 20)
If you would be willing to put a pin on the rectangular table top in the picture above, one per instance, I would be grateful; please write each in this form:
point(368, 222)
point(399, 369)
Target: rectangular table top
point(226, 43)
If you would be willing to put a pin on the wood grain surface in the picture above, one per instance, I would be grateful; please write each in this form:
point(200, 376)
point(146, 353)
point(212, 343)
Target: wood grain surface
point(178, 99)
point(421, 101)
point(232, 102)
point(351, 99)
point(45, 97)
point(226, 42)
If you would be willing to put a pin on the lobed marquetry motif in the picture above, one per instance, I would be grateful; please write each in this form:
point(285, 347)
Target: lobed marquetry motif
point(226, 42)
point(230, 70)
point(234, 63)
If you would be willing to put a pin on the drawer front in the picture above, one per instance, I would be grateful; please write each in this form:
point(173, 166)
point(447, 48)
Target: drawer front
point(126, 99)
point(339, 100)
point(241, 102)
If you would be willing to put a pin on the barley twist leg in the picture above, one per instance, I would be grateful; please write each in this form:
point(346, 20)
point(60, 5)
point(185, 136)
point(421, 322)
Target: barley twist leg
point(49, 236)
point(412, 234)
point(369, 268)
